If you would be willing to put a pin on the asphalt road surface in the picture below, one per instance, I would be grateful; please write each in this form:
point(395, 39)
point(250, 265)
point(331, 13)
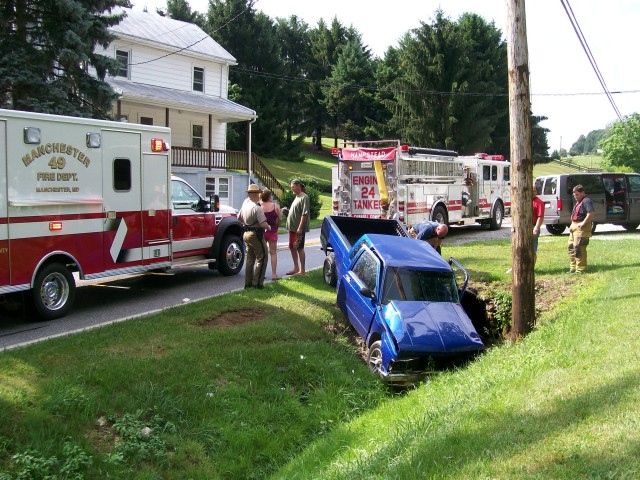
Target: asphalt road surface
point(104, 302)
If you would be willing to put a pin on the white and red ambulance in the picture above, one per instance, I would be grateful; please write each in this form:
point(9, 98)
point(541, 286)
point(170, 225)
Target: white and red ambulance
point(97, 198)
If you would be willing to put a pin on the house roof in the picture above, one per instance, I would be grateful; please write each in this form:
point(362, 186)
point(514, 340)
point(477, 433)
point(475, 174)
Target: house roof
point(173, 34)
point(224, 110)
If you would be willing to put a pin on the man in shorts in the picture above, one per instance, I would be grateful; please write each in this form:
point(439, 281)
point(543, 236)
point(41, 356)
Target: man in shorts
point(298, 225)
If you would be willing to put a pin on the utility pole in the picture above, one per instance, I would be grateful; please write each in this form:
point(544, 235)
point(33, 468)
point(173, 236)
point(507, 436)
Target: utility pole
point(523, 283)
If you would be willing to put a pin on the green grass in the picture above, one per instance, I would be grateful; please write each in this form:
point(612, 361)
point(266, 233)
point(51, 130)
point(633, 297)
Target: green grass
point(317, 165)
point(274, 389)
point(590, 161)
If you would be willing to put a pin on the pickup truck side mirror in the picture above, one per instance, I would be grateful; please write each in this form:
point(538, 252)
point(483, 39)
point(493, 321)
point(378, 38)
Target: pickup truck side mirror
point(366, 292)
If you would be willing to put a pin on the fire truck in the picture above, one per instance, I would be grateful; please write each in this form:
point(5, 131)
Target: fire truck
point(90, 199)
point(384, 179)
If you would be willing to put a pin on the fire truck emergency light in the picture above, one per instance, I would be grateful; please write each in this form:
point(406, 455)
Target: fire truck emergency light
point(404, 148)
point(335, 151)
point(55, 226)
point(158, 145)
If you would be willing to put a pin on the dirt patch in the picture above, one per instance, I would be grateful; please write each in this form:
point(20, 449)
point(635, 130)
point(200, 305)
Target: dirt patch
point(233, 318)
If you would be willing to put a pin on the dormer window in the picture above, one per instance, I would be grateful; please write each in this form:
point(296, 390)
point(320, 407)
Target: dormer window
point(122, 56)
point(198, 79)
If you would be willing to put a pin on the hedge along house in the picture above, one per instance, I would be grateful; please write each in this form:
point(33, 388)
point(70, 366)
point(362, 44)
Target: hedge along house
point(173, 74)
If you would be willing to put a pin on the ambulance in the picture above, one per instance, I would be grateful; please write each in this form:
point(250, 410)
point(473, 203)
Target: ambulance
point(88, 199)
point(384, 179)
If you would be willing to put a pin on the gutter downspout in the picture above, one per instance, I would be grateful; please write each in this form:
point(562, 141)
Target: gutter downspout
point(249, 151)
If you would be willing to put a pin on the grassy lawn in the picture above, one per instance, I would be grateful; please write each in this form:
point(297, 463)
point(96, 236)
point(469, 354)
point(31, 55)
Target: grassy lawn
point(316, 165)
point(265, 384)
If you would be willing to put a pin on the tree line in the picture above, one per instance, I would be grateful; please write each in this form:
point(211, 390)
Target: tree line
point(444, 85)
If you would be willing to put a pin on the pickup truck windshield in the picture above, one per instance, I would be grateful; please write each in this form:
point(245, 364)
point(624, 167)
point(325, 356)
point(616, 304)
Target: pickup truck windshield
point(418, 286)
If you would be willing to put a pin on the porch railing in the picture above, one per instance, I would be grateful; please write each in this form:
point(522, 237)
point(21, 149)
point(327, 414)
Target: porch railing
point(226, 160)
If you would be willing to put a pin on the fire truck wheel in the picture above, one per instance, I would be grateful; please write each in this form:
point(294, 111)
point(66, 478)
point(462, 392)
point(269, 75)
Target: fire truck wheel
point(54, 291)
point(231, 256)
point(496, 217)
point(440, 215)
point(329, 270)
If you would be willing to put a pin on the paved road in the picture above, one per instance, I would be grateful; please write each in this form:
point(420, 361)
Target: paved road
point(105, 302)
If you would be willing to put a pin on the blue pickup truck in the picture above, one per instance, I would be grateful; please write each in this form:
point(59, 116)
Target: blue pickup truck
point(399, 294)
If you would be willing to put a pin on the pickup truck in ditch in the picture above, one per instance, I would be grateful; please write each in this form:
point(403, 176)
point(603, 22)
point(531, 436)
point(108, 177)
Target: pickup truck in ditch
point(400, 295)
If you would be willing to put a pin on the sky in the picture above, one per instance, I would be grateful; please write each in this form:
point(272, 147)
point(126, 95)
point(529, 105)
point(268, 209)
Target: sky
point(564, 86)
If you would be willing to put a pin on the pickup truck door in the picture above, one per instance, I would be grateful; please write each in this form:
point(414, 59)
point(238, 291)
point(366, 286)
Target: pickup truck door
point(360, 308)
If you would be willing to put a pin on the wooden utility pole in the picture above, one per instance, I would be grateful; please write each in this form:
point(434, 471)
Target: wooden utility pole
point(523, 283)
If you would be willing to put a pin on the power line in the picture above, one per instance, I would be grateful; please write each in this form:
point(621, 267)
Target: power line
point(585, 46)
point(325, 83)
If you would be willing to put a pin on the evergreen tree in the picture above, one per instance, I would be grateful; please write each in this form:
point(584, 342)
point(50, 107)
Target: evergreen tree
point(539, 143)
point(349, 96)
point(47, 51)
point(251, 38)
point(293, 36)
point(325, 46)
point(181, 10)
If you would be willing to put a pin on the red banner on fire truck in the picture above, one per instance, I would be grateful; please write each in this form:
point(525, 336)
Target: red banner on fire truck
point(368, 153)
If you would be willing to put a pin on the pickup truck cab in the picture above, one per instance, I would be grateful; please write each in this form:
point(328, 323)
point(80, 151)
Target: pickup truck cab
point(400, 296)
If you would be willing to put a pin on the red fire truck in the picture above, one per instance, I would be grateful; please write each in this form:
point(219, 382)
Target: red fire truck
point(385, 179)
point(97, 198)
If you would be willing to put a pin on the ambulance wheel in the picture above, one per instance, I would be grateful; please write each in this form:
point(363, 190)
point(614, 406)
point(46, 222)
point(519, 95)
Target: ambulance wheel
point(329, 270)
point(231, 256)
point(497, 215)
point(54, 291)
point(555, 229)
point(374, 358)
point(440, 215)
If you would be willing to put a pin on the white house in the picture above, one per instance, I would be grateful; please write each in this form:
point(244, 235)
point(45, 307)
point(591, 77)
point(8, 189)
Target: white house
point(174, 74)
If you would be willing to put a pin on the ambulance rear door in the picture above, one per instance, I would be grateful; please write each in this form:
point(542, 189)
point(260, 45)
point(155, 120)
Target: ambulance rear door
point(122, 193)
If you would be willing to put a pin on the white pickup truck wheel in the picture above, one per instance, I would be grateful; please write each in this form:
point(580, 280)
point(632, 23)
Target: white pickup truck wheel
point(54, 291)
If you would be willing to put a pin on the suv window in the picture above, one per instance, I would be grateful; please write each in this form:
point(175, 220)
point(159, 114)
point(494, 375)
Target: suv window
point(592, 183)
point(634, 183)
point(550, 186)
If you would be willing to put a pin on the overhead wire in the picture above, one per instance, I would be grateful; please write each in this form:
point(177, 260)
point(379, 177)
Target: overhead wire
point(585, 46)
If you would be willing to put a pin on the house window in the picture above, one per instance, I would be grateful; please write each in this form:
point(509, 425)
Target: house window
point(146, 120)
point(122, 56)
point(218, 186)
point(196, 136)
point(198, 79)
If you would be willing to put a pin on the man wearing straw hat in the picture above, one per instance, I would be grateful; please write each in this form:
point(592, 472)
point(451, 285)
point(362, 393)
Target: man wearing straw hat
point(255, 222)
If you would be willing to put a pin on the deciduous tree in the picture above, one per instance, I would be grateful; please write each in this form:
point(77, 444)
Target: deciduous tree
point(622, 146)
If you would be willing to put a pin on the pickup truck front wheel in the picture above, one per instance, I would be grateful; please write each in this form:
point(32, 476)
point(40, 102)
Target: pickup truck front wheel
point(231, 257)
point(374, 358)
point(329, 271)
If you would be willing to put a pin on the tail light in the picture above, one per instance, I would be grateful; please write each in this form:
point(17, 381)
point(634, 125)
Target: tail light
point(559, 204)
point(401, 210)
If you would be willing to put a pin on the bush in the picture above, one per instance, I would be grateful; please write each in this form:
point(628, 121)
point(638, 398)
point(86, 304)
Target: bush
point(314, 200)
